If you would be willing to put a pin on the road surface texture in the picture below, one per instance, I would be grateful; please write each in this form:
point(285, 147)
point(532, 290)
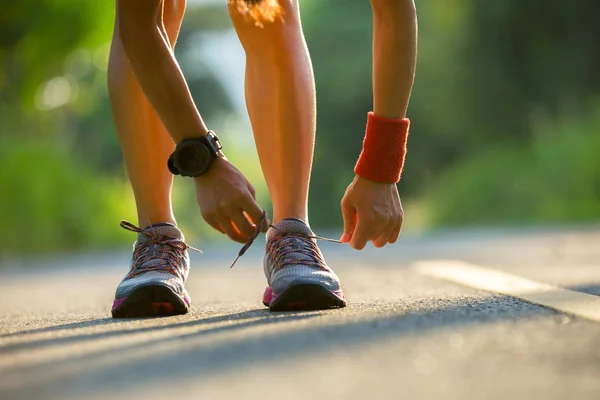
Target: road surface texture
point(407, 333)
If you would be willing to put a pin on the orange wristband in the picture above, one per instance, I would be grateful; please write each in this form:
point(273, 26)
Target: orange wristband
point(384, 149)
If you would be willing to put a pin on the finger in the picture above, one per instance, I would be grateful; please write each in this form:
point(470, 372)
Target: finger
point(395, 233)
point(362, 233)
point(349, 215)
point(219, 228)
point(253, 210)
point(252, 191)
point(231, 231)
point(265, 221)
point(242, 224)
point(382, 238)
point(214, 224)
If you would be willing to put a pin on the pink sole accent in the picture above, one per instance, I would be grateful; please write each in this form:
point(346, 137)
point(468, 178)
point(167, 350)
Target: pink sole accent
point(268, 296)
point(338, 293)
point(118, 302)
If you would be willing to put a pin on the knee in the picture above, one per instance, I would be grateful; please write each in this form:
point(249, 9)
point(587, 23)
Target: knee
point(393, 8)
point(267, 36)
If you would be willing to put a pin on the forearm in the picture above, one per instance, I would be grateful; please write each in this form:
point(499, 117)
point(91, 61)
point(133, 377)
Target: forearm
point(157, 71)
point(394, 59)
point(394, 56)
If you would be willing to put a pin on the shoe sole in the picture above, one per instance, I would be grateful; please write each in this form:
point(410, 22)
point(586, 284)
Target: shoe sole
point(150, 301)
point(304, 297)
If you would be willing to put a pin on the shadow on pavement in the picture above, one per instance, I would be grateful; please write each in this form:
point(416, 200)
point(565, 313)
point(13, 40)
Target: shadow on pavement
point(149, 324)
point(69, 326)
point(593, 288)
point(200, 354)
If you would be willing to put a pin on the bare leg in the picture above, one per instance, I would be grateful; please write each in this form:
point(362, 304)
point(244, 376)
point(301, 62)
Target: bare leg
point(280, 96)
point(145, 143)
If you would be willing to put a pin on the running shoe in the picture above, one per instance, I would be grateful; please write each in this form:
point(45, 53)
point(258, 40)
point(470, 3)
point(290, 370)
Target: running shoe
point(297, 274)
point(154, 285)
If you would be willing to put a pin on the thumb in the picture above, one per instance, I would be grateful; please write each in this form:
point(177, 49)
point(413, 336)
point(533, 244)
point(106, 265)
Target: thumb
point(349, 215)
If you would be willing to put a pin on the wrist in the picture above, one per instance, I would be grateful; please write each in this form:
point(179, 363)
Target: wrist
point(384, 149)
point(216, 165)
point(371, 182)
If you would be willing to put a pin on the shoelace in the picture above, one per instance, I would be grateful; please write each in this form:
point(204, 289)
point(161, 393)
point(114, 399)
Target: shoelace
point(168, 249)
point(310, 250)
point(284, 247)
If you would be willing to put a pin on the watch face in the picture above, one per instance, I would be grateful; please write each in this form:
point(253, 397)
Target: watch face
point(192, 158)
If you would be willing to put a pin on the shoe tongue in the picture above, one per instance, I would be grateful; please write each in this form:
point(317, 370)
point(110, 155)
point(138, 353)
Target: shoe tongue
point(291, 225)
point(161, 229)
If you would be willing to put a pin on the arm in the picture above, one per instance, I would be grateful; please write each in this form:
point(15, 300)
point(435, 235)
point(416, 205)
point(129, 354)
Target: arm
point(371, 208)
point(394, 56)
point(226, 198)
point(156, 69)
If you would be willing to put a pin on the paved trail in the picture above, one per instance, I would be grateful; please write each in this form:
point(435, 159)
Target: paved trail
point(408, 332)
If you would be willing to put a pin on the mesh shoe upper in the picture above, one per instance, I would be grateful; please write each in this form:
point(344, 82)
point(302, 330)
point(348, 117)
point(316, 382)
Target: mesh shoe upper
point(160, 257)
point(292, 258)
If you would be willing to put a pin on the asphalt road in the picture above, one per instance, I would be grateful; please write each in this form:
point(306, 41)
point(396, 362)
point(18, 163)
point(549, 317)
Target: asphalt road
point(404, 335)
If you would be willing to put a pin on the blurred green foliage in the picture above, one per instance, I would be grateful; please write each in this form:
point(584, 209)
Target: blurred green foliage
point(504, 126)
point(555, 178)
point(45, 39)
point(58, 203)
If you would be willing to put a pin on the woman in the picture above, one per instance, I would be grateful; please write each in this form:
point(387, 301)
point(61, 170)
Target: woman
point(154, 111)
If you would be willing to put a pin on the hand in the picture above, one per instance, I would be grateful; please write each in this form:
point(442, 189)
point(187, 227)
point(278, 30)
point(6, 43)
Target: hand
point(371, 211)
point(228, 201)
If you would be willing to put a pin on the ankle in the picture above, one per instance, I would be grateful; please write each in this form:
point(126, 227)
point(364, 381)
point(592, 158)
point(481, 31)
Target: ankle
point(297, 216)
point(145, 220)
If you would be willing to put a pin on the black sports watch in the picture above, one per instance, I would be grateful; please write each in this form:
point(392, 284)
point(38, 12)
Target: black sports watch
point(193, 157)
